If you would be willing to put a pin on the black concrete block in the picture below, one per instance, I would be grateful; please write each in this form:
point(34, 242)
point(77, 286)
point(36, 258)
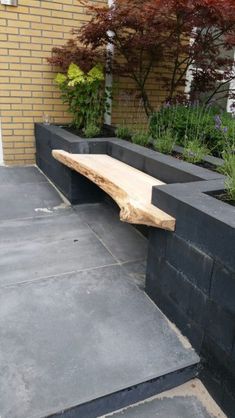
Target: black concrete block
point(54, 137)
point(172, 310)
point(158, 241)
point(201, 219)
point(171, 282)
point(197, 306)
point(223, 288)
point(98, 147)
point(233, 351)
point(190, 300)
point(84, 146)
point(157, 166)
point(220, 326)
point(218, 362)
point(175, 286)
point(75, 187)
point(212, 383)
point(127, 154)
point(228, 402)
point(153, 265)
point(191, 261)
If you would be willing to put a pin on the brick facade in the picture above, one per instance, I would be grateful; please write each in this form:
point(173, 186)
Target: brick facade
point(27, 34)
point(27, 91)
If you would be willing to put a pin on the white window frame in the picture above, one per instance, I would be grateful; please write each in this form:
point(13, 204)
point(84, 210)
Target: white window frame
point(189, 81)
point(232, 88)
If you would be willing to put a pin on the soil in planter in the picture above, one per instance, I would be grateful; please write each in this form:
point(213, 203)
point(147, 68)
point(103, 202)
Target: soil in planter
point(106, 131)
point(203, 164)
point(223, 197)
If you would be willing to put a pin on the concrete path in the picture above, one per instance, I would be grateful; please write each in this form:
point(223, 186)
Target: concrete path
point(75, 324)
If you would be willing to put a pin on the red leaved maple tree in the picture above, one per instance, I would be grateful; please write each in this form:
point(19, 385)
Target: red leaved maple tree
point(73, 52)
point(178, 36)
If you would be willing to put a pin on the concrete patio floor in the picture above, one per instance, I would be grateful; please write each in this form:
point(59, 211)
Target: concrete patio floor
point(75, 323)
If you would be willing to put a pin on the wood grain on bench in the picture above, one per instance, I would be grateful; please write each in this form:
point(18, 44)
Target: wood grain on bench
point(130, 188)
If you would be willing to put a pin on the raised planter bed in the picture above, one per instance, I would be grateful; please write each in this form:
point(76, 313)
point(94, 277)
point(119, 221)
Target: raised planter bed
point(209, 161)
point(190, 272)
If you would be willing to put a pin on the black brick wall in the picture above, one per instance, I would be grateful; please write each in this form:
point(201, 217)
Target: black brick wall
point(197, 293)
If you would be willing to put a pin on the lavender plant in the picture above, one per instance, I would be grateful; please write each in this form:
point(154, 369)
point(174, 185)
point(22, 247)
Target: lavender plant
point(194, 122)
point(123, 132)
point(140, 138)
point(195, 151)
point(228, 169)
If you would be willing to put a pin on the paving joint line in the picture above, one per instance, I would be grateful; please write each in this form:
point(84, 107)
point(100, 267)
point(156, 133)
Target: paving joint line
point(59, 275)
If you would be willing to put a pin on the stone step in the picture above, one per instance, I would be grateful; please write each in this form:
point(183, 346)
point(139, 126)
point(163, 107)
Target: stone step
point(190, 400)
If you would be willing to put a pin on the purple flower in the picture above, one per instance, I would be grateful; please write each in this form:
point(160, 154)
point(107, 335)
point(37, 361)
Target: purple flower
point(218, 122)
point(167, 105)
point(225, 129)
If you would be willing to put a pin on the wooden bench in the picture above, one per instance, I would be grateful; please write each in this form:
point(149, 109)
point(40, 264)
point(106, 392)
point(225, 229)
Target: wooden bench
point(130, 188)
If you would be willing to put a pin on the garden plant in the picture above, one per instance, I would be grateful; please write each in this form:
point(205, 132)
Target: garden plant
point(179, 37)
point(86, 97)
point(152, 34)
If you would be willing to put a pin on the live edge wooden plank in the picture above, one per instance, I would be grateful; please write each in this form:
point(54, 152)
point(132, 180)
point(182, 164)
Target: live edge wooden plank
point(130, 188)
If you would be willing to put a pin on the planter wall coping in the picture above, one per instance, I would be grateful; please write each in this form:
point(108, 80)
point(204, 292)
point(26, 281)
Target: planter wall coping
point(186, 197)
point(139, 157)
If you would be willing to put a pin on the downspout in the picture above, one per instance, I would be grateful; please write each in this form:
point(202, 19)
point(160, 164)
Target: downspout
point(109, 75)
point(230, 102)
point(189, 73)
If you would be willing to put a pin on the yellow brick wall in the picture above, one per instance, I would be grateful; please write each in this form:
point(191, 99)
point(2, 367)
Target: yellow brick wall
point(27, 89)
point(27, 34)
point(127, 107)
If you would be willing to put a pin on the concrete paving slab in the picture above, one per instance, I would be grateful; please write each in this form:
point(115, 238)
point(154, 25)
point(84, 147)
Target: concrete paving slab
point(47, 246)
point(69, 340)
point(63, 224)
point(123, 240)
point(136, 271)
point(20, 175)
point(28, 200)
point(190, 400)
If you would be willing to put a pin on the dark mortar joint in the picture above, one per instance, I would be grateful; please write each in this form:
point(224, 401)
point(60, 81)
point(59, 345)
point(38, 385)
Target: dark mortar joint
point(190, 272)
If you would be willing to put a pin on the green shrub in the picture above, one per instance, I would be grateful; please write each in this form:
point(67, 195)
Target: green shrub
point(140, 138)
point(165, 141)
point(91, 131)
point(123, 132)
point(195, 151)
point(85, 95)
